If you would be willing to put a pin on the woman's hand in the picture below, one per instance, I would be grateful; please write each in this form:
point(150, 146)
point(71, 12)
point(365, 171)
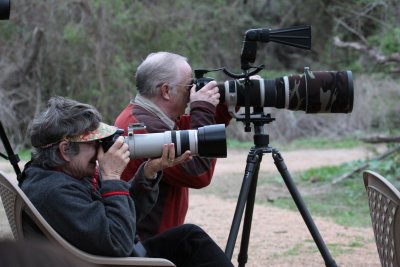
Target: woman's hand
point(167, 160)
point(113, 163)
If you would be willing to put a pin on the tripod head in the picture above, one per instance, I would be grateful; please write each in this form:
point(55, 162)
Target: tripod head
point(258, 118)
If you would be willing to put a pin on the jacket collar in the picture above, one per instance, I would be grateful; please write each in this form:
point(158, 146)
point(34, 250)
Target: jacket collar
point(151, 107)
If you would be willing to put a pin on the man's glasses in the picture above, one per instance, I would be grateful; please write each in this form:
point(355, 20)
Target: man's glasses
point(187, 86)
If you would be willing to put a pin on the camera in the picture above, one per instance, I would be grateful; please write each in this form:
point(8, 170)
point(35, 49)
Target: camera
point(311, 91)
point(5, 7)
point(207, 141)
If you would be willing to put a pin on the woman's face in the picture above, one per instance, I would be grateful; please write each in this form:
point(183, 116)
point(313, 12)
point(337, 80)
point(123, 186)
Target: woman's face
point(84, 163)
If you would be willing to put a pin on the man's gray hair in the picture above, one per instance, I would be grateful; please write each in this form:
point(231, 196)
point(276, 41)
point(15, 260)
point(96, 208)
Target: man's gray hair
point(62, 118)
point(156, 69)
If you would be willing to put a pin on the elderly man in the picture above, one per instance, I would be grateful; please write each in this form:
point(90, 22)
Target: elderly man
point(76, 186)
point(164, 88)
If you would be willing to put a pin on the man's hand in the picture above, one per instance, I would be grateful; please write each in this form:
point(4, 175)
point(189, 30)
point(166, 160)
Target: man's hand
point(208, 93)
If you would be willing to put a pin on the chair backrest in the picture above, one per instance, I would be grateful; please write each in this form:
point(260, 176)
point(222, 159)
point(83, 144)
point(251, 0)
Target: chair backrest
point(384, 202)
point(16, 202)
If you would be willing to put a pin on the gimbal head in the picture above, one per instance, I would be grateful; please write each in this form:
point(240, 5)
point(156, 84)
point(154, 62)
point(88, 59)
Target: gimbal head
point(299, 36)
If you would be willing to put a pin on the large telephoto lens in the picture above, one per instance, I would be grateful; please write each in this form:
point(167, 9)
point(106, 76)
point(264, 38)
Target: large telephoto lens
point(312, 92)
point(208, 141)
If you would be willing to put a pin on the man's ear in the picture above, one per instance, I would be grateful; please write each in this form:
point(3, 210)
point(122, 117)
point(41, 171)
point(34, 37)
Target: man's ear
point(165, 91)
point(62, 148)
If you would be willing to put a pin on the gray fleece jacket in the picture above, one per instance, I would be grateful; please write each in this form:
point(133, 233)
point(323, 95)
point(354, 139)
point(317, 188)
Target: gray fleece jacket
point(99, 221)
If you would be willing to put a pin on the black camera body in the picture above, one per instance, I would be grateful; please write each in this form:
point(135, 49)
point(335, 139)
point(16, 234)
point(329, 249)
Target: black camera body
point(109, 141)
point(5, 7)
point(201, 82)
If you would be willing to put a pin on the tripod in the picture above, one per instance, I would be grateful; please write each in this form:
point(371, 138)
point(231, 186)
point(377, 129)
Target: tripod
point(13, 158)
point(248, 193)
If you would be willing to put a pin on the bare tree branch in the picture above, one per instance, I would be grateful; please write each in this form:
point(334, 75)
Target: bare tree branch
point(350, 29)
point(33, 52)
point(378, 56)
point(381, 139)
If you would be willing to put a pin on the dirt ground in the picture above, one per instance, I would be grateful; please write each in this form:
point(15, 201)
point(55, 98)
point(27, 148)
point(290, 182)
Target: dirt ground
point(278, 237)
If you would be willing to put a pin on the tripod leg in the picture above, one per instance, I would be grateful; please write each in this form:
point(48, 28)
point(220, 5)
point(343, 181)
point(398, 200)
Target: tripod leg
point(281, 166)
point(252, 166)
point(248, 216)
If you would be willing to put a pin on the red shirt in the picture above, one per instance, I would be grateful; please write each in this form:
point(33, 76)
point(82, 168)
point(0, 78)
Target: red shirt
point(172, 203)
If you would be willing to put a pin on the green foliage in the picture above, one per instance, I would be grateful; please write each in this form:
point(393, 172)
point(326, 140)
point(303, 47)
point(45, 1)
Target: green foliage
point(233, 143)
point(321, 143)
point(25, 154)
point(318, 175)
point(8, 31)
point(391, 41)
point(309, 247)
point(301, 143)
point(346, 202)
point(356, 66)
point(389, 168)
point(388, 41)
point(74, 34)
